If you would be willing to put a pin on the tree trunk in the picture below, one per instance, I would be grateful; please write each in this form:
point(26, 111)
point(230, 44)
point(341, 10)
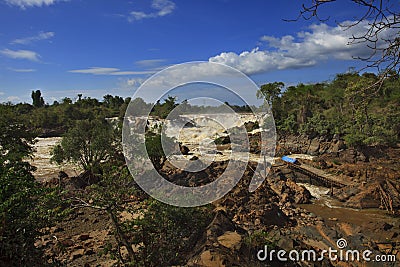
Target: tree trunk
point(121, 236)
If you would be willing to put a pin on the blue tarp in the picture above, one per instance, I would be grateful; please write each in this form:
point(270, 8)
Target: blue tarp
point(288, 159)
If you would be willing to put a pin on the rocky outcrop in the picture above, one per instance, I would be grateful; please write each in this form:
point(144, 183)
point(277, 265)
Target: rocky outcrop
point(303, 144)
point(220, 244)
point(184, 149)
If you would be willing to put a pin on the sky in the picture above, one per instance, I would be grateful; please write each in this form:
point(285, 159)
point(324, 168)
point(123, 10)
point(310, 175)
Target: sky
point(70, 47)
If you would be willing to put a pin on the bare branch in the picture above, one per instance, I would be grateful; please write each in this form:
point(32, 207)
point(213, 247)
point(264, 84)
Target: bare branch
point(381, 36)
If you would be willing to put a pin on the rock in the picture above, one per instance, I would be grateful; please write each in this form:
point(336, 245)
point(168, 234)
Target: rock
point(208, 259)
point(386, 248)
point(301, 194)
point(336, 147)
point(67, 243)
point(84, 237)
point(62, 175)
point(223, 140)
point(89, 252)
point(314, 147)
point(387, 226)
point(362, 157)
point(184, 149)
point(77, 254)
point(56, 229)
point(230, 240)
point(250, 126)
point(189, 124)
point(286, 243)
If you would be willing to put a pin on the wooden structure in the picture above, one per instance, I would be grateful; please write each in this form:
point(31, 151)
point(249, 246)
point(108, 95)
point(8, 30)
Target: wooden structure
point(327, 179)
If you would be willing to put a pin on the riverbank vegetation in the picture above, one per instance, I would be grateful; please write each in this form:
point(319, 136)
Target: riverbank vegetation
point(352, 106)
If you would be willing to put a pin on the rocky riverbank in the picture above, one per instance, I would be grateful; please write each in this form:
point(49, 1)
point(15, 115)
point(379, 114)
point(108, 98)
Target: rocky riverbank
point(282, 213)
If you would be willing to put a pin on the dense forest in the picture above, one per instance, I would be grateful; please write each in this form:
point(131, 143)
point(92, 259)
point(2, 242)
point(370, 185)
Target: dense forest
point(359, 108)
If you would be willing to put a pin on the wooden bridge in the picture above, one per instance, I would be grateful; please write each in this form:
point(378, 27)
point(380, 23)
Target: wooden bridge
point(325, 178)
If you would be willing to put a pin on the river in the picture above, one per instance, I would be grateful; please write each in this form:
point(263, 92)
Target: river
point(41, 160)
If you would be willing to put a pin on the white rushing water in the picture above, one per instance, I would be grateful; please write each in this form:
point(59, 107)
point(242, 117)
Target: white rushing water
point(41, 160)
point(321, 195)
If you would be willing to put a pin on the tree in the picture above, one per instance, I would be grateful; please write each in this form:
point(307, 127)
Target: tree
point(163, 110)
point(154, 147)
point(113, 102)
point(270, 91)
point(66, 100)
point(37, 99)
point(165, 234)
point(24, 206)
point(380, 19)
point(87, 143)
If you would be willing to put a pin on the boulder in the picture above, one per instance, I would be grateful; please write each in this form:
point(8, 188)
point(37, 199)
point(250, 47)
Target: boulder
point(184, 149)
point(313, 149)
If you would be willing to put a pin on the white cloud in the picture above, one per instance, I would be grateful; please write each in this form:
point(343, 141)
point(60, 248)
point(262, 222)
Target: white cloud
point(40, 36)
point(20, 54)
point(14, 99)
point(1, 93)
point(22, 70)
point(31, 3)
point(150, 62)
point(319, 43)
point(109, 71)
point(134, 82)
point(96, 70)
point(161, 7)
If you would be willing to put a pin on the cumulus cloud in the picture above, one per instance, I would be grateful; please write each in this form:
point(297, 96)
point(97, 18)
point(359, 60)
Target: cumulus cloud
point(31, 3)
point(20, 54)
point(109, 71)
point(40, 36)
point(307, 48)
point(134, 82)
point(161, 7)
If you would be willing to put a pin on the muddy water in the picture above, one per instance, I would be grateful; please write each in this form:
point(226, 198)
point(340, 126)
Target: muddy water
point(333, 212)
point(41, 160)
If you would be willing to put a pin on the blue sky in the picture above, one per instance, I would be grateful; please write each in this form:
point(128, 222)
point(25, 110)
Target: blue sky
point(66, 47)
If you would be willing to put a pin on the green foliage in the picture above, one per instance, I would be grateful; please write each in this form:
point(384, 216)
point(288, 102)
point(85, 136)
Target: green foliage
point(270, 91)
point(25, 207)
point(352, 105)
point(87, 143)
point(37, 99)
point(259, 239)
point(163, 110)
point(165, 234)
point(154, 147)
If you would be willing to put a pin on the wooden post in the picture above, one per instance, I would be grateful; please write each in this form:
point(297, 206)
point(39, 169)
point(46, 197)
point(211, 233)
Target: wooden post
point(265, 168)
